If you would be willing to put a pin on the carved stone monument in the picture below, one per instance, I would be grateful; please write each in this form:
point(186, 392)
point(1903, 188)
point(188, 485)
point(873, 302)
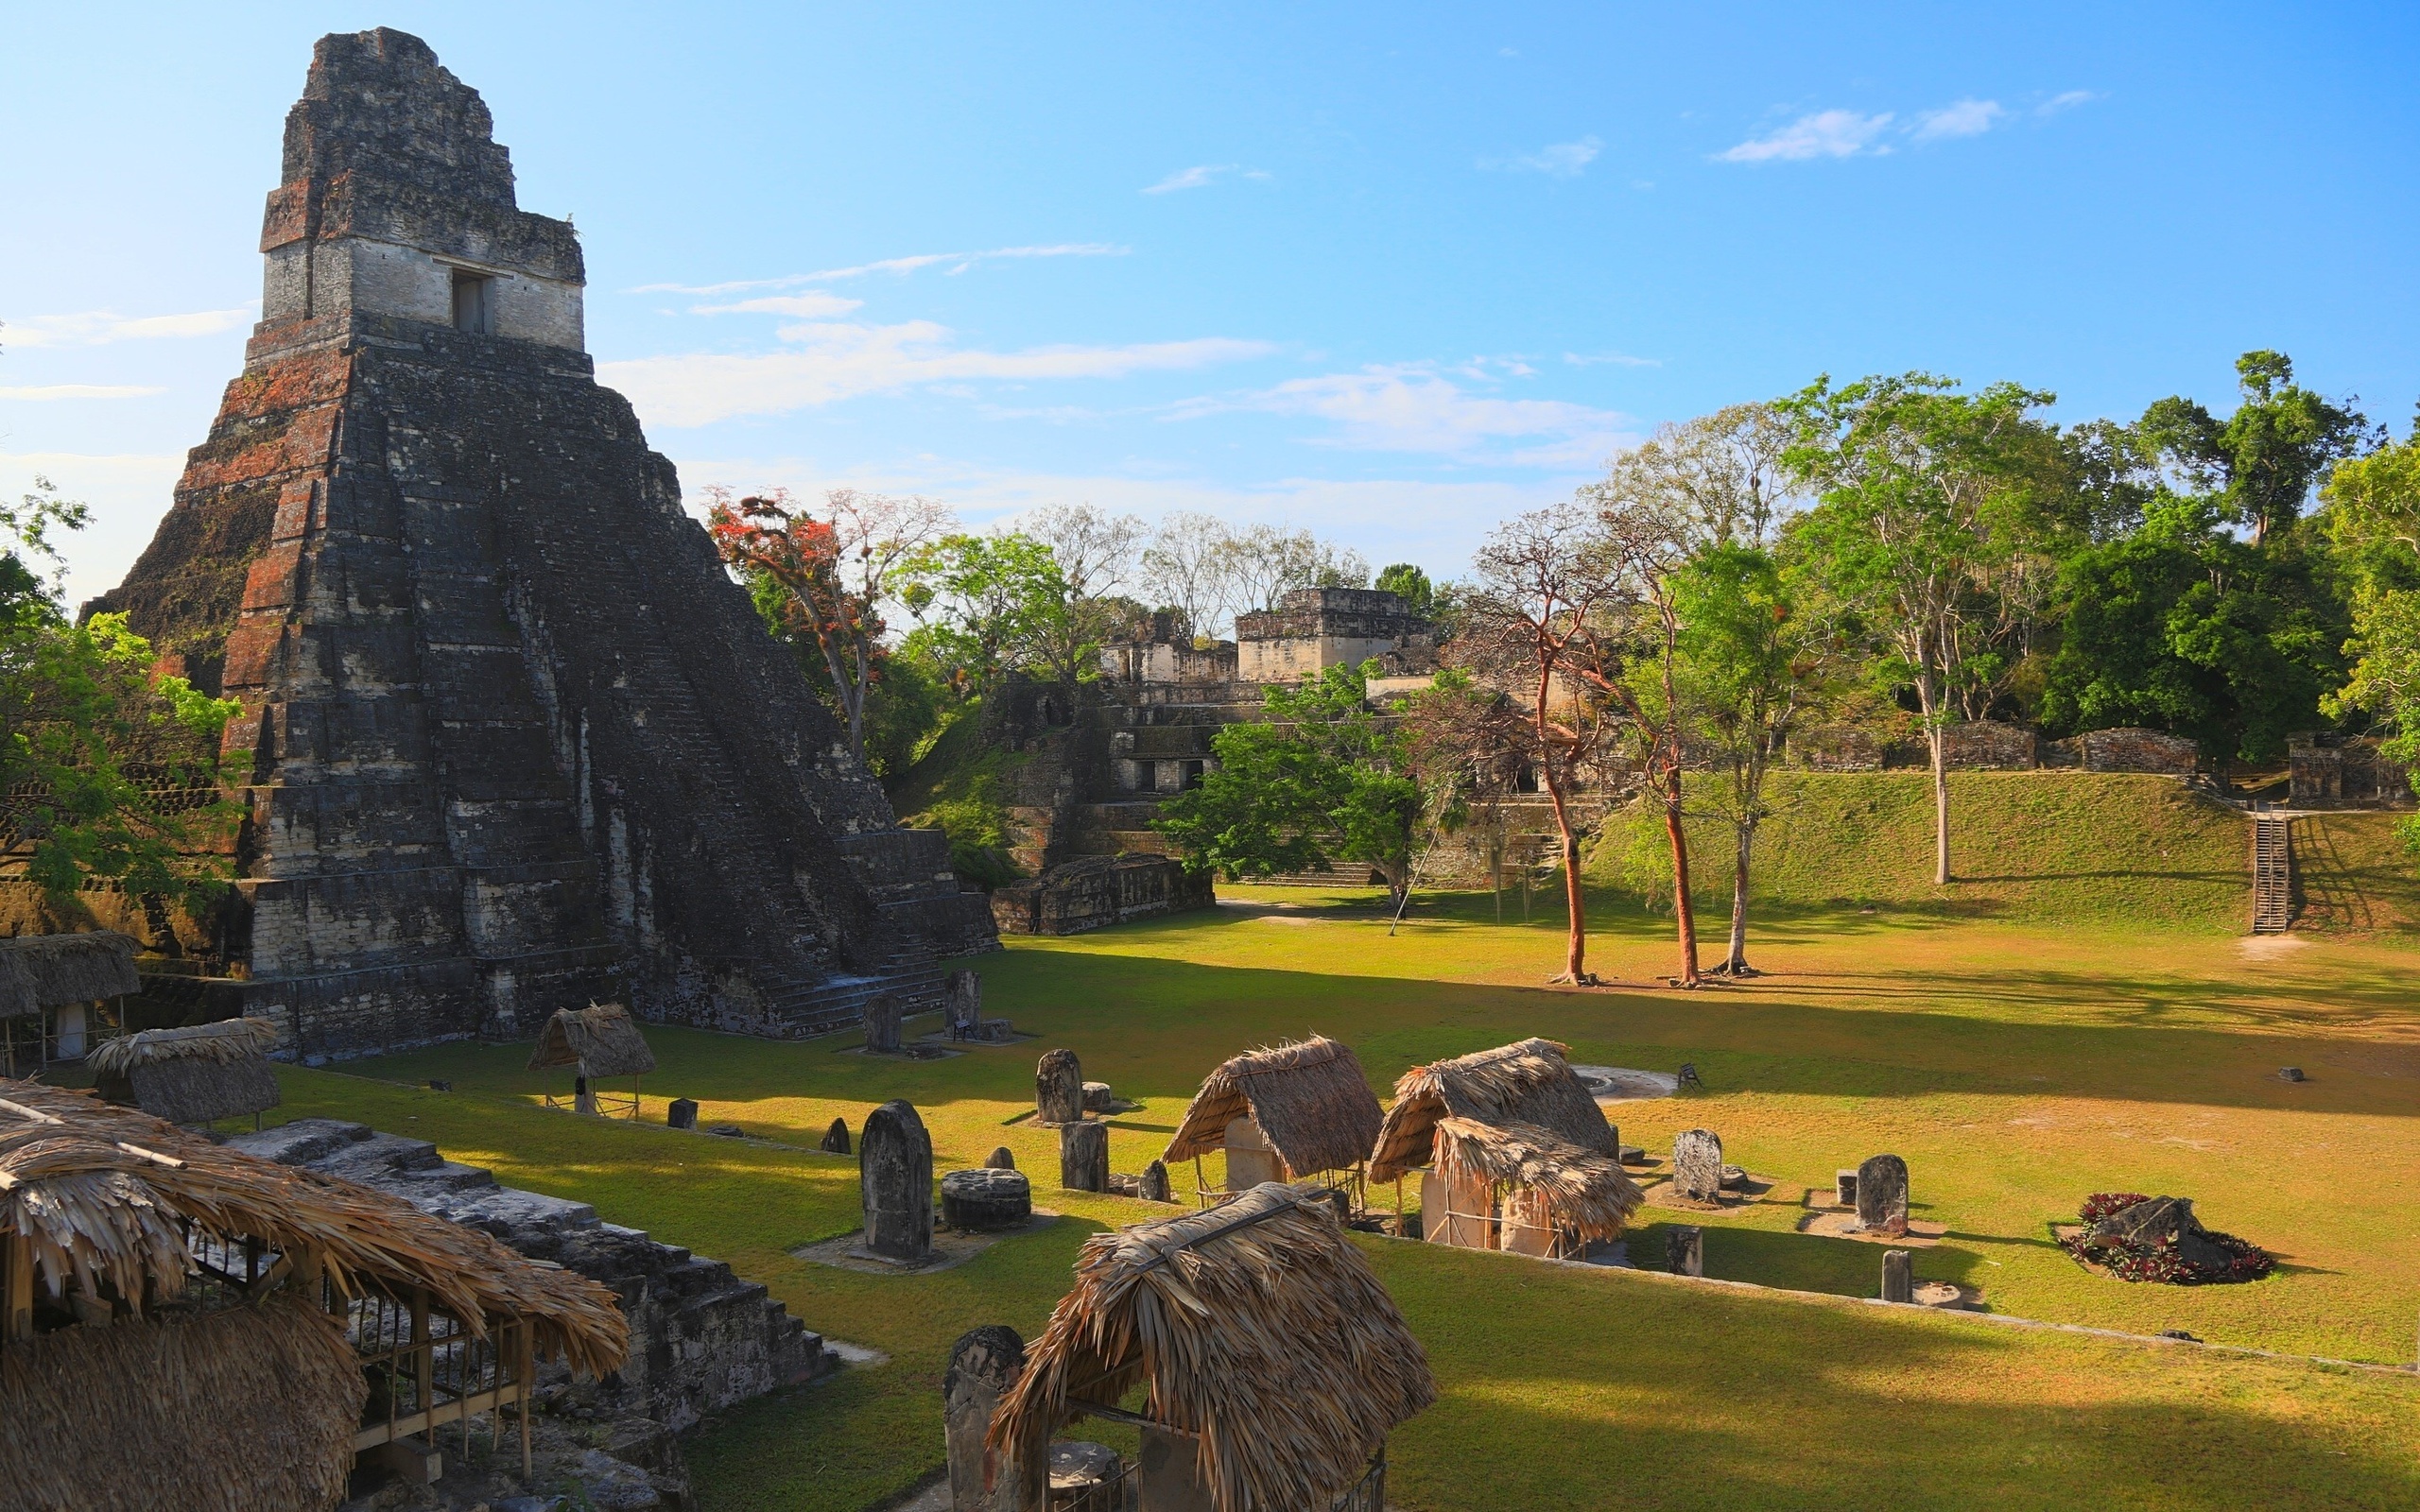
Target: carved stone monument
point(1882, 1194)
point(1001, 1158)
point(896, 1177)
point(882, 1026)
point(1845, 1189)
point(1059, 1088)
point(1152, 1186)
point(985, 1200)
point(1697, 1164)
point(983, 1365)
point(1685, 1249)
point(1898, 1275)
point(836, 1139)
point(1084, 1156)
point(682, 1114)
point(962, 998)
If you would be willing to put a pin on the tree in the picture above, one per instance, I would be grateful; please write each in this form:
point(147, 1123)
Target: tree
point(110, 775)
point(1542, 584)
point(1410, 584)
point(1096, 557)
point(2259, 464)
point(1749, 664)
point(993, 604)
point(1723, 474)
point(2374, 518)
point(1925, 496)
point(1320, 779)
point(1468, 745)
point(1266, 562)
point(1188, 567)
point(831, 574)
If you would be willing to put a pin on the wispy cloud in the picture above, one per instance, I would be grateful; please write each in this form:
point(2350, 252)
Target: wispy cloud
point(1963, 118)
point(1201, 176)
point(38, 393)
point(2066, 102)
point(1618, 359)
point(832, 361)
point(953, 262)
point(815, 306)
point(94, 327)
point(1824, 135)
point(1556, 160)
point(1416, 407)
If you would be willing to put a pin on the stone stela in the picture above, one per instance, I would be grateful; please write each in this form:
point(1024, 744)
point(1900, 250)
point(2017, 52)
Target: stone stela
point(895, 1178)
point(1697, 1164)
point(1882, 1194)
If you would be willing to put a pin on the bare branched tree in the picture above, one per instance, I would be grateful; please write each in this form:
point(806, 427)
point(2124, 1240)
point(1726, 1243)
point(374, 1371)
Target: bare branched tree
point(1188, 566)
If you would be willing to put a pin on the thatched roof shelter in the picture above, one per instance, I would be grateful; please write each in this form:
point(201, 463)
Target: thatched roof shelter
point(1259, 1329)
point(601, 1039)
point(246, 1407)
point(102, 1195)
point(195, 1075)
point(39, 971)
point(1309, 1098)
point(1516, 1114)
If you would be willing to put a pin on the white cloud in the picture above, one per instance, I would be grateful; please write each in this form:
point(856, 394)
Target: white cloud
point(2066, 102)
point(1414, 407)
point(1824, 135)
point(1200, 175)
point(1964, 119)
point(813, 306)
point(38, 393)
point(94, 327)
point(833, 361)
point(1559, 160)
point(1619, 359)
point(959, 263)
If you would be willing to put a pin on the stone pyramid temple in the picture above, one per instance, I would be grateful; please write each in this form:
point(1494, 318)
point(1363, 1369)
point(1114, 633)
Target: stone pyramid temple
point(516, 741)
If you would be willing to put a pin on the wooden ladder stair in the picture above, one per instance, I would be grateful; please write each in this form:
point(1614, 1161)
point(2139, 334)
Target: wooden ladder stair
point(2272, 874)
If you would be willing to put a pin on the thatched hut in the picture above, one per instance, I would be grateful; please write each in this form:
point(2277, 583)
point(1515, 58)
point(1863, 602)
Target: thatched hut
point(49, 987)
point(195, 1074)
point(1518, 1155)
point(188, 1326)
point(1284, 1113)
point(601, 1039)
point(1274, 1363)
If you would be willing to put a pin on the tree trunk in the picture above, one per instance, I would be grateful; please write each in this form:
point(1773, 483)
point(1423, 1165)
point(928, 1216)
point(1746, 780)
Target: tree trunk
point(1736, 963)
point(1685, 913)
point(1574, 955)
point(1940, 806)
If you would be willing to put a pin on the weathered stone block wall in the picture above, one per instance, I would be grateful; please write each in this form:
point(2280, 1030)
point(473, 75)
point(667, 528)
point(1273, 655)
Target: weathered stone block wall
point(2329, 771)
point(2125, 750)
point(1097, 891)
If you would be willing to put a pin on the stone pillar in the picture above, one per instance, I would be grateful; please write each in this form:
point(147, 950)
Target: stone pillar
point(836, 1139)
point(1685, 1249)
point(1882, 1194)
point(983, 1365)
point(682, 1114)
point(1059, 1088)
point(1152, 1186)
point(1898, 1275)
point(1697, 1164)
point(965, 994)
point(1250, 1161)
point(882, 1026)
point(1845, 1189)
point(1084, 1156)
point(895, 1178)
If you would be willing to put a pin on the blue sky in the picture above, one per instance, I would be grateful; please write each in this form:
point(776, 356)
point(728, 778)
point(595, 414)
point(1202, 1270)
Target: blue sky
point(1387, 272)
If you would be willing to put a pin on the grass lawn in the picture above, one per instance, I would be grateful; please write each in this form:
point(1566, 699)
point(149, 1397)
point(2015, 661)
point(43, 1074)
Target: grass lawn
point(2017, 1066)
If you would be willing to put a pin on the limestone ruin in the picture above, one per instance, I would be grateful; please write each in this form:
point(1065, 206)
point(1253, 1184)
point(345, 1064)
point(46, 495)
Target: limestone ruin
point(516, 741)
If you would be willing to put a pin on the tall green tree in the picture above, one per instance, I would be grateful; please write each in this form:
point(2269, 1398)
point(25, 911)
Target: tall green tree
point(1409, 583)
point(2374, 518)
point(1320, 780)
point(994, 604)
point(2257, 467)
point(1927, 498)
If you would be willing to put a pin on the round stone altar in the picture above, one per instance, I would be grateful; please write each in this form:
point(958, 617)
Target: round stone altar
point(987, 1199)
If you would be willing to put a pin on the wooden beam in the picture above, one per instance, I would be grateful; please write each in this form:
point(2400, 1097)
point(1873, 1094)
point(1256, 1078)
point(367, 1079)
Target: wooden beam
point(458, 1409)
point(17, 1311)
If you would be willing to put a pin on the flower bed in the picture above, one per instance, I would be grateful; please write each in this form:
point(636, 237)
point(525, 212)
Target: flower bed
point(2159, 1260)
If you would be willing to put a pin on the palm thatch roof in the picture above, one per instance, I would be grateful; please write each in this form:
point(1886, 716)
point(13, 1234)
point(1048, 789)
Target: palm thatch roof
point(39, 971)
point(105, 1193)
point(601, 1039)
point(1308, 1097)
point(1257, 1327)
point(1529, 1082)
point(1585, 1190)
point(195, 1075)
point(264, 1399)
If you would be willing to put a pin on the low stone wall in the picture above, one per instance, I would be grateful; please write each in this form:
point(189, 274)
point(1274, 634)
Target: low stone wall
point(1100, 890)
point(701, 1338)
point(1976, 746)
point(2333, 773)
point(2125, 750)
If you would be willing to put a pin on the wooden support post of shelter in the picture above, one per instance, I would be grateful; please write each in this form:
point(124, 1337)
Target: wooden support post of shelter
point(600, 1040)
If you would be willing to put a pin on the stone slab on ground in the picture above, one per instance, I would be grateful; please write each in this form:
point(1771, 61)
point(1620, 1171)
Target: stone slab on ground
point(1620, 1084)
point(1834, 1223)
point(950, 1249)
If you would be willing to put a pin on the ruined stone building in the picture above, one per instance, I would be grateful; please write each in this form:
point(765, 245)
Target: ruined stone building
point(516, 740)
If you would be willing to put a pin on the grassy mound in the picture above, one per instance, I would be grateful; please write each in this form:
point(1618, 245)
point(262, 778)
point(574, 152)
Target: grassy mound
point(2024, 846)
point(957, 788)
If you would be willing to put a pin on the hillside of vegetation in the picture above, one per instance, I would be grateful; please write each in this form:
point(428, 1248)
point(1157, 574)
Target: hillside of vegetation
point(2034, 845)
